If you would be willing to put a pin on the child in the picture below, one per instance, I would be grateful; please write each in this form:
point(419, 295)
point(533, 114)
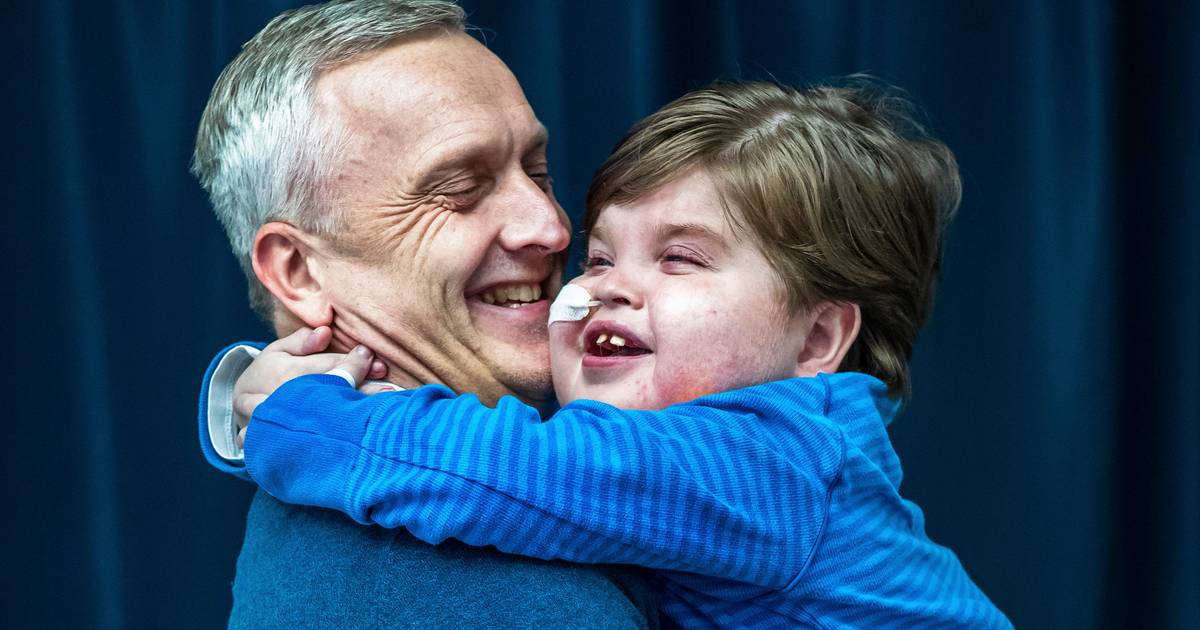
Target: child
point(760, 260)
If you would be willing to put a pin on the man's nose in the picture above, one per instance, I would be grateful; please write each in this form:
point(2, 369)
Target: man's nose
point(534, 220)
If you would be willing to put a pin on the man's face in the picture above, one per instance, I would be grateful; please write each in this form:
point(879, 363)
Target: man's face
point(453, 237)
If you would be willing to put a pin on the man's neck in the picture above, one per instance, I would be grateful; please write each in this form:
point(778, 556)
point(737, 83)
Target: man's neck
point(410, 368)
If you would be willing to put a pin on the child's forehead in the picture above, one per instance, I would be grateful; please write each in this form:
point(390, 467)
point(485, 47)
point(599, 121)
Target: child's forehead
point(687, 207)
point(659, 228)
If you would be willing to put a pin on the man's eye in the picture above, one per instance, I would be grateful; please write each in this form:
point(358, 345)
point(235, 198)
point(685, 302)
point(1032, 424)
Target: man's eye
point(543, 180)
point(461, 195)
point(462, 192)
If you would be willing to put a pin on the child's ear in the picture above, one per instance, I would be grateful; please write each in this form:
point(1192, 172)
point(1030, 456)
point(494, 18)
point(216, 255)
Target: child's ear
point(288, 268)
point(833, 330)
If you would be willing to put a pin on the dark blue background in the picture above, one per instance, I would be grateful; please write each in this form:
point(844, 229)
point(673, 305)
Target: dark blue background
point(1054, 434)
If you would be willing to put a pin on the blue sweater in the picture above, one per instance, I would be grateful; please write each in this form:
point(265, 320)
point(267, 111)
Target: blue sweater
point(771, 506)
point(305, 567)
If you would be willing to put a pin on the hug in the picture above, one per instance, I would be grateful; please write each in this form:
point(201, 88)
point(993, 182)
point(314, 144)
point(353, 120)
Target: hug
point(695, 434)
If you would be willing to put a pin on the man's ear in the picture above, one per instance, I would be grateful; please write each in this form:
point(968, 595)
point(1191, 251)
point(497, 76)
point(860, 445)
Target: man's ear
point(286, 265)
point(833, 330)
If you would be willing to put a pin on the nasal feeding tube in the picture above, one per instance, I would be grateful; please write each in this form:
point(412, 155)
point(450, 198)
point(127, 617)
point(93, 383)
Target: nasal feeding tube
point(572, 304)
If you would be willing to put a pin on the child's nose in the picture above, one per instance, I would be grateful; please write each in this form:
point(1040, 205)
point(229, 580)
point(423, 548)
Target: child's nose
point(618, 287)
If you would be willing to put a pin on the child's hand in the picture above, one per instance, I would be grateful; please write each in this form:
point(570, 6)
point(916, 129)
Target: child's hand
point(295, 355)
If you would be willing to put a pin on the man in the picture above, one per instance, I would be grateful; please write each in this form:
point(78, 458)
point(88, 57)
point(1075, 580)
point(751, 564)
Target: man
point(380, 172)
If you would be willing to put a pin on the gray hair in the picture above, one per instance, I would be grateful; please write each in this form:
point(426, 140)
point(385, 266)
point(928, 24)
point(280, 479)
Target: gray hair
point(261, 154)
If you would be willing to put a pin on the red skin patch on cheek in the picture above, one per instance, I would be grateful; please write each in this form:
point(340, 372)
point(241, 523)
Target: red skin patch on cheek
point(679, 387)
point(687, 371)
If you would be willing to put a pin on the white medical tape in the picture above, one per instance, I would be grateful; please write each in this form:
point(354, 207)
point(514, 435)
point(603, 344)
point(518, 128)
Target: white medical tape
point(572, 304)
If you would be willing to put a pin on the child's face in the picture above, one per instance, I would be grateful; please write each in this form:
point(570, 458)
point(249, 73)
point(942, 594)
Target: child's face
point(699, 308)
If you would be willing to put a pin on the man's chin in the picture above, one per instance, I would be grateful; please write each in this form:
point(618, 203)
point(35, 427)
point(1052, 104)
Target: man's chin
point(523, 368)
point(514, 344)
point(528, 379)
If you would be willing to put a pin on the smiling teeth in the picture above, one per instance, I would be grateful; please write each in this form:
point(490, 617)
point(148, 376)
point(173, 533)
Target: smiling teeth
point(615, 340)
point(521, 293)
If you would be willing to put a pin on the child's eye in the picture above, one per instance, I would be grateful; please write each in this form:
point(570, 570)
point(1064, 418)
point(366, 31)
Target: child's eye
point(682, 255)
point(596, 261)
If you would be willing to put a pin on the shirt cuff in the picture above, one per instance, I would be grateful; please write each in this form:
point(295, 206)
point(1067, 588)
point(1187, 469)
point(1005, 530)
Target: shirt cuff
point(222, 425)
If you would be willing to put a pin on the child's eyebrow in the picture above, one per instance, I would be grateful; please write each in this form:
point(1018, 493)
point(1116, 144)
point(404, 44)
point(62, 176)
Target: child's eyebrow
point(667, 231)
point(670, 230)
point(597, 232)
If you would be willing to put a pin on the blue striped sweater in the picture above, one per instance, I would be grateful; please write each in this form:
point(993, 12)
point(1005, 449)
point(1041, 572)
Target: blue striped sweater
point(775, 505)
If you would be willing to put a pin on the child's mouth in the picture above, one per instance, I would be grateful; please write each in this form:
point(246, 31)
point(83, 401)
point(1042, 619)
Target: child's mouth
point(611, 344)
point(614, 345)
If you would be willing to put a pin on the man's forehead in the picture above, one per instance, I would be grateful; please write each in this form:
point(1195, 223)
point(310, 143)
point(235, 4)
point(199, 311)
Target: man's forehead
point(521, 135)
point(429, 75)
point(426, 93)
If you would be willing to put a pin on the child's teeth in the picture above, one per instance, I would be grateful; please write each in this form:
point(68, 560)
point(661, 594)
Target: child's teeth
point(601, 339)
point(616, 341)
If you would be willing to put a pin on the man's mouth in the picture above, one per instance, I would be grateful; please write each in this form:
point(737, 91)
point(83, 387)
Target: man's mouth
point(513, 295)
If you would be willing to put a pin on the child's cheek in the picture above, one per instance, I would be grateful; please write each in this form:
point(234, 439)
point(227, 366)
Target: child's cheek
point(692, 356)
point(564, 339)
point(564, 358)
point(684, 387)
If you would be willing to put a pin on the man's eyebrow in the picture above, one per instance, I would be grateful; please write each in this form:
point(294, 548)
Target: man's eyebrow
point(537, 140)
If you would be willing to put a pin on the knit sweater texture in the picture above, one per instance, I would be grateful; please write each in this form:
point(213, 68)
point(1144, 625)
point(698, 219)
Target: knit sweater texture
point(776, 505)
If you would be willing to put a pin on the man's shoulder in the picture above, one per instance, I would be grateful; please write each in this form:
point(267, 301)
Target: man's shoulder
point(303, 567)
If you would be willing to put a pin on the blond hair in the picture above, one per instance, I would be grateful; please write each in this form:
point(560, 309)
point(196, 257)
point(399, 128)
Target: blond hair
point(843, 191)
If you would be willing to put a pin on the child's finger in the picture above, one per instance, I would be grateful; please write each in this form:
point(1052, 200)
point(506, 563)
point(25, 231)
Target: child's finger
point(378, 371)
point(376, 388)
point(317, 341)
point(303, 342)
point(291, 344)
point(354, 366)
point(245, 404)
point(311, 364)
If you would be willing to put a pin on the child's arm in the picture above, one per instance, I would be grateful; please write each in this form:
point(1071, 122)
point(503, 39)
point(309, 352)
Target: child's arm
point(734, 485)
point(218, 423)
point(242, 374)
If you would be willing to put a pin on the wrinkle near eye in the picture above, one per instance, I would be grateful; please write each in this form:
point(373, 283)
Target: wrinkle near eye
point(405, 223)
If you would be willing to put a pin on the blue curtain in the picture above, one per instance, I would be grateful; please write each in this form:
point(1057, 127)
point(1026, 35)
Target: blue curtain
point(1054, 439)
